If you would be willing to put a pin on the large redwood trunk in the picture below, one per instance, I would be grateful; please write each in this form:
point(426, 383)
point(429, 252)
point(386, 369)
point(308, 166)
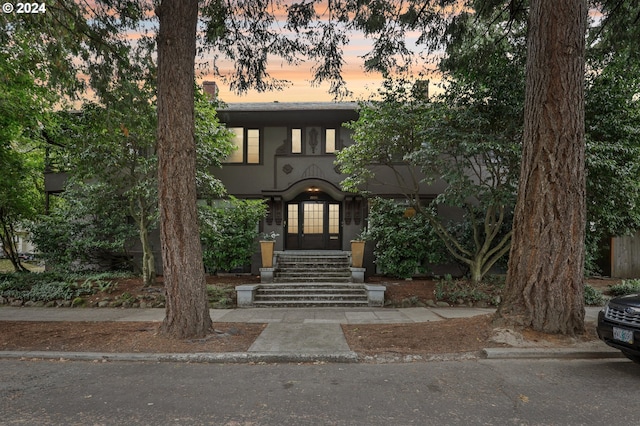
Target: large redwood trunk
point(545, 276)
point(187, 312)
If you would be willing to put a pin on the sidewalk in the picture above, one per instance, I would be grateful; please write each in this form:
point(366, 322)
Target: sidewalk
point(292, 335)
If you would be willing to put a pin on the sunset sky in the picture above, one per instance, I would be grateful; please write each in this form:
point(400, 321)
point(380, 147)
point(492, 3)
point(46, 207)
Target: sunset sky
point(362, 84)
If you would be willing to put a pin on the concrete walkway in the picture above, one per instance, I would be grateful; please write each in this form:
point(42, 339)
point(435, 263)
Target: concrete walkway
point(261, 315)
point(292, 335)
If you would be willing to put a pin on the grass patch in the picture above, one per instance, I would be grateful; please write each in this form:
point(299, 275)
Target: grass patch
point(6, 266)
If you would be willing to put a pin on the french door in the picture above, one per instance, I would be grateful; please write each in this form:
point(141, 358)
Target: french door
point(313, 225)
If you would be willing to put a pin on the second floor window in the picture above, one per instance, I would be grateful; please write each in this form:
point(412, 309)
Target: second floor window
point(330, 141)
point(296, 141)
point(253, 146)
point(247, 143)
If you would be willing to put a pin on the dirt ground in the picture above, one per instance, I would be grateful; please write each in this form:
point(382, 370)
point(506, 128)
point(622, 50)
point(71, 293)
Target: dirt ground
point(442, 337)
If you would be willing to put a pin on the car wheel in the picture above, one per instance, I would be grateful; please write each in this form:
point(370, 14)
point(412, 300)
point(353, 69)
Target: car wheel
point(632, 357)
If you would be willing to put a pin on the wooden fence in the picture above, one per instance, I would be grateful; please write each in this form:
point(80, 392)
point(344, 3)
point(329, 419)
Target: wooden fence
point(625, 256)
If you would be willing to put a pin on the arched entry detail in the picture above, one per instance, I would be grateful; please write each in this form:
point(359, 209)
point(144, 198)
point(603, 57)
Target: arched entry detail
point(306, 185)
point(313, 222)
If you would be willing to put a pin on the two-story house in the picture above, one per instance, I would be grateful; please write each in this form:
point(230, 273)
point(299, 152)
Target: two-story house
point(285, 155)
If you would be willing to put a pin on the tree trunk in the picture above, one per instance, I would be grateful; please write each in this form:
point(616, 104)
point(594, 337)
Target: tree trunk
point(187, 311)
point(7, 237)
point(475, 271)
point(545, 278)
point(148, 259)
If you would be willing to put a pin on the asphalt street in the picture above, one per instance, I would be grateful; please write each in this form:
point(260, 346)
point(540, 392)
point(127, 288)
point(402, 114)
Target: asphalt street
point(488, 392)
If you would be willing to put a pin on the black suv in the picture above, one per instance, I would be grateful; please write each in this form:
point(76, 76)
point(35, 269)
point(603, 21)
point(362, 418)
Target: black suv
point(619, 325)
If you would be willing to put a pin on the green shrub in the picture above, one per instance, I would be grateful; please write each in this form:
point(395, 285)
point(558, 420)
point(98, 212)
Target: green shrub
point(228, 233)
point(592, 296)
point(220, 297)
point(404, 243)
point(45, 291)
point(625, 287)
point(48, 286)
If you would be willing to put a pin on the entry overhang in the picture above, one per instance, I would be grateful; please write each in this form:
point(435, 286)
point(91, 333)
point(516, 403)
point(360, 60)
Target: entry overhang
point(305, 185)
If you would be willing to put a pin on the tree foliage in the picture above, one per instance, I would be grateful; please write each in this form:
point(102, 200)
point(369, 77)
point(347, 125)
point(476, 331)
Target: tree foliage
point(86, 231)
point(113, 146)
point(228, 232)
point(466, 138)
point(612, 120)
point(26, 105)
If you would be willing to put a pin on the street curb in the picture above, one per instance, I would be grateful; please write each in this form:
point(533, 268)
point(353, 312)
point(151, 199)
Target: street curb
point(287, 357)
point(549, 353)
point(213, 358)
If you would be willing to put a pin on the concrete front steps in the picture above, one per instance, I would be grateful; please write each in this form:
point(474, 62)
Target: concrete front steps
point(311, 279)
point(310, 294)
point(312, 267)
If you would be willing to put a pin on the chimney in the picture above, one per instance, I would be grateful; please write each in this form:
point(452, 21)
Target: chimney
point(210, 89)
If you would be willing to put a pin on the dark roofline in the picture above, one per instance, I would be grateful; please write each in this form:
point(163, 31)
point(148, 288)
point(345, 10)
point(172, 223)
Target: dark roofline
point(290, 106)
point(288, 113)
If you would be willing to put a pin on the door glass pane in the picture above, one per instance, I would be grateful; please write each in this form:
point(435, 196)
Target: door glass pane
point(292, 221)
point(313, 218)
point(334, 218)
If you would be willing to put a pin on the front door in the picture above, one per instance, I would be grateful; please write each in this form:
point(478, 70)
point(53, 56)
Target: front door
point(313, 225)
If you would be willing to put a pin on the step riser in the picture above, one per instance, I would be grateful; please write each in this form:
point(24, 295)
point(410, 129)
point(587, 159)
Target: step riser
point(319, 290)
point(314, 259)
point(310, 291)
point(312, 300)
point(313, 270)
point(305, 285)
point(317, 259)
point(306, 279)
point(311, 280)
point(308, 262)
point(303, 266)
point(310, 303)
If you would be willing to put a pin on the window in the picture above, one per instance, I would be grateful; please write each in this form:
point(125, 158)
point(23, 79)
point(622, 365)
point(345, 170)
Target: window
point(330, 141)
point(237, 156)
point(292, 221)
point(296, 141)
point(253, 146)
point(247, 146)
point(334, 218)
point(313, 218)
